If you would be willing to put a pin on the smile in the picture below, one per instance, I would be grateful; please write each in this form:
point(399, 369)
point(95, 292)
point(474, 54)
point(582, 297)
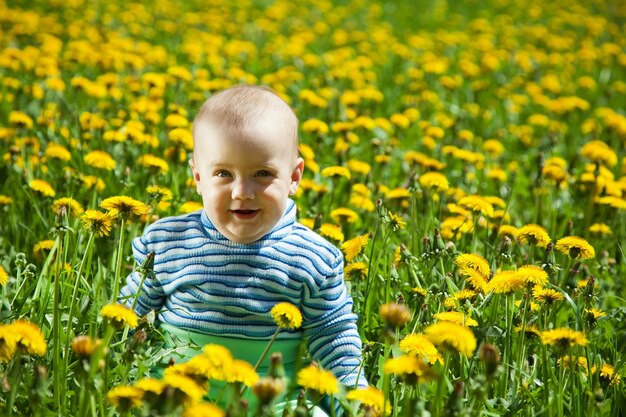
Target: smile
point(244, 214)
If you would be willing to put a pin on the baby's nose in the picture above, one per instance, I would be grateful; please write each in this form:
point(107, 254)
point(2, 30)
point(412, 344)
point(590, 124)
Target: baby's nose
point(242, 190)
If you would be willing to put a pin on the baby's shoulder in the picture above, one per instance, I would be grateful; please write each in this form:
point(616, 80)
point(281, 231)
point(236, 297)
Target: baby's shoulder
point(304, 242)
point(181, 226)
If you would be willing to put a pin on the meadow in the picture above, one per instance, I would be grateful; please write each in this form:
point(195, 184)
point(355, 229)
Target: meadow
point(468, 158)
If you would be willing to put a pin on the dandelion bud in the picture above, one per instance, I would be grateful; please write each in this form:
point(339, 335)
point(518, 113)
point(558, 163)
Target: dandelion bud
point(20, 260)
point(301, 408)
point(438, 243)
point(395, 315)
point(491, 358)
point(455, 402)
point(599, 395)
point(426, 243)
point(266, 389)
point(84, 346)
point(277, 370)
point(40, 382)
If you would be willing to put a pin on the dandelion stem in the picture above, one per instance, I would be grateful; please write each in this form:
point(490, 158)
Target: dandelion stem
point(118, 261)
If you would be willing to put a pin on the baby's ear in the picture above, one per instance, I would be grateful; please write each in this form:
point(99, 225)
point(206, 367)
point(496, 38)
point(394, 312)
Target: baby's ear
point(296, 176)
point(194, 171)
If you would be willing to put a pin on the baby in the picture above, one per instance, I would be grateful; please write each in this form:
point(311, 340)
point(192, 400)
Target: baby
point(220, 270)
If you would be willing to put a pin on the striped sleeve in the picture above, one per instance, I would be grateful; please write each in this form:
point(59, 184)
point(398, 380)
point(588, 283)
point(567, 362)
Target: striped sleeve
point(150, 295)
point(330, 327)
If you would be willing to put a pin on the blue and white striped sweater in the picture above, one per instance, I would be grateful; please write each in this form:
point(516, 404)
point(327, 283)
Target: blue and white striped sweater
point(206, 283)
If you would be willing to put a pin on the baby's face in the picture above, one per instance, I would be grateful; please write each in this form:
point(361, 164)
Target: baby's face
point(245, 178)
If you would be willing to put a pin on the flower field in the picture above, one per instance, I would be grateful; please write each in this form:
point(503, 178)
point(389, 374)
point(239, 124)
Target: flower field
point(468, 158)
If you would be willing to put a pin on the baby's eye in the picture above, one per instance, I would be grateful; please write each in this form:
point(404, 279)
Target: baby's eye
point(263, 173)
point(222, 173)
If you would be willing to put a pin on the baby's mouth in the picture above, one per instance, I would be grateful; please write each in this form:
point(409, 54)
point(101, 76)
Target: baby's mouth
point(244, 214)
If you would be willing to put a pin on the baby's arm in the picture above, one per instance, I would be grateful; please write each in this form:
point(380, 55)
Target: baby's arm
point(147, 292)
point(330, 327)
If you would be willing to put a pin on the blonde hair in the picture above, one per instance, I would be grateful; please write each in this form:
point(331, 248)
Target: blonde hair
point(243, 106)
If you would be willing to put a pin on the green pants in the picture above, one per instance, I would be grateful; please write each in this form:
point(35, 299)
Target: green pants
point(191, 344)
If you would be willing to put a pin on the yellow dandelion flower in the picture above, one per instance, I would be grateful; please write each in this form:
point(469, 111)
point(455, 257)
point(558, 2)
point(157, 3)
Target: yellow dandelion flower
point(608, 372)
point(595, 313)
point(359, 167)
point(434, 180)
point(100, 160)
point(355, 271)
point(530, 330)
point(568, 360)
point(125, 397)
point(190, 207)
point(575, 247)
point(315, 126)
point(547, 295)
point(493, 147)
point(563, 337)
point(97, 222)
point(91, 181)
point(554, 173)
point(8, 343)
point(371, 398)
point(175, 120)
point(42, 187)
point(332, 231)
point(336, 172)
point(203, 410)
point(41, 248)
point(119, 315)
point(504, 282)
point(343, 213)
point(395, 315)
point(5, 200)
point(456, 317)
point(453, 336)
point(218, 356)
point(599, 151)
point(396, 222)
point(409, 366)
point(601, 229)
point(56, 151)
point(20, 119)
point(615, 202)
point(533, 274)
point(159, 193)
point(150, 386)
point(362, 202)
point(152, 161)
point(4, 276)
point(185, 385)
point(68, 204)
point(319, 380)
point(477, 280)
point(182, 137)
point(243, 372)
point(509, 231)
point(419, 346)
point(419, 292)
point(472, 261)
point(28, 337)
point(354, 247)
point(84, 346)
point(398, 193)
point(477, 204)
point(124, 208)
point(533, 234)
point(286, 316)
